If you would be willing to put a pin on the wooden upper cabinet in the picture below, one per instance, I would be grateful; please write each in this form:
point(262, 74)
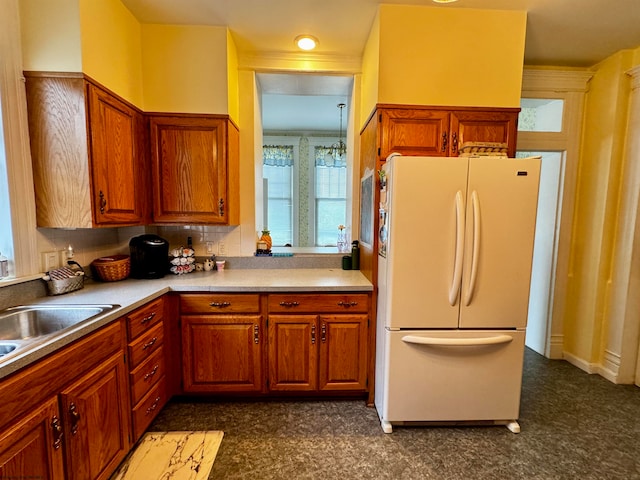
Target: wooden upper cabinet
point(414, 132)
point(440, 131)
point(88, 154)
point(495, 126)
point(117, 160)
point(194, 169)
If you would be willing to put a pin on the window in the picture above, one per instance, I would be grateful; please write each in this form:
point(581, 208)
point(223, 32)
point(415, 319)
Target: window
point(278, 172)
point(540, 115)
point(330, 175)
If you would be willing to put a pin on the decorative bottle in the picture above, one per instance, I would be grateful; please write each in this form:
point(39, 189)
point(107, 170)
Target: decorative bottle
point(355, 255)
point(4, 266)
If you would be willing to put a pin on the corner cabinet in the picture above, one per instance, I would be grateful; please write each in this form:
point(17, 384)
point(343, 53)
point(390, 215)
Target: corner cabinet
point(88, 148)
point(194, 165)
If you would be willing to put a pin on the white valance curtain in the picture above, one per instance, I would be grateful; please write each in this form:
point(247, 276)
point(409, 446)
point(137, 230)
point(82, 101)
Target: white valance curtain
point(277, 155)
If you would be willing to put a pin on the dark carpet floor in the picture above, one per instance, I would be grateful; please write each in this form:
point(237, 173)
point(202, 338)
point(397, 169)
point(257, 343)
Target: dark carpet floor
point(574, 426)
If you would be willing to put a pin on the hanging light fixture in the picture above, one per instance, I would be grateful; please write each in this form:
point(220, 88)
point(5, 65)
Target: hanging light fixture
point(337, 153)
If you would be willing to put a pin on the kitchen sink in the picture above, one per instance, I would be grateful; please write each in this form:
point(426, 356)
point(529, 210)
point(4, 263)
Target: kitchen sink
point(6, 348)
point(31, 322)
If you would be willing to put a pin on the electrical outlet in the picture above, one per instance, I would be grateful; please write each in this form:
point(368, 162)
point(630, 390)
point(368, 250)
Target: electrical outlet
point(50, 261)
point(210, 248)
point(222, 248)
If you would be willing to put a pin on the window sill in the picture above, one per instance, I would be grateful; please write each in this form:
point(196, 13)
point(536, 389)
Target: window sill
point(6, 282)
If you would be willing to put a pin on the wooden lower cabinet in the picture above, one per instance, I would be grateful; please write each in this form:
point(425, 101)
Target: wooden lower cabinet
point(318, 352)
point(67, 416)
point(96, 421)
point(222, 353)
point(32, 448)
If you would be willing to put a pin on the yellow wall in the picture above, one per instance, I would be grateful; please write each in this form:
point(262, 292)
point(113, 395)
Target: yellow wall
point(111, 50)
point(370, 68)
point(185, 68)
point(597, 197)
point(233, 81)
point(50, 31)
point(448, 56)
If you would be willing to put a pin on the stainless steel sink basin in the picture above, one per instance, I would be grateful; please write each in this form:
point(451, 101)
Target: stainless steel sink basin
point(6, 348)
point(34, 321)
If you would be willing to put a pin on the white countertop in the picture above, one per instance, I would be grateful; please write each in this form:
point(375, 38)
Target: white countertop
point(130, 294)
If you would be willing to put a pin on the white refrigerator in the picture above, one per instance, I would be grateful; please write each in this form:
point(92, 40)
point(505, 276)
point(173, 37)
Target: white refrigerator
point(454, 266)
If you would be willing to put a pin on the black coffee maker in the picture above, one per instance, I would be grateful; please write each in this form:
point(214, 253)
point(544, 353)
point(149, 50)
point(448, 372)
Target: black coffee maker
point(149, 256)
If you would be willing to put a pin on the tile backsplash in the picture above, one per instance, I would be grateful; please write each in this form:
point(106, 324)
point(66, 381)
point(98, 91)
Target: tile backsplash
point(89, 244)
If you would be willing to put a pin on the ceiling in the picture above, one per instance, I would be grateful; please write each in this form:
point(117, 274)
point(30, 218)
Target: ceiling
point(573, 33)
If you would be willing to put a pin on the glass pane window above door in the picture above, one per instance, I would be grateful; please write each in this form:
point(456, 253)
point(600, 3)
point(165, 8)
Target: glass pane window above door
point(540, 115)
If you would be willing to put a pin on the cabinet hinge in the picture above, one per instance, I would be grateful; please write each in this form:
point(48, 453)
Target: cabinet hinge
point(124, 357)
point(380, 117)
point(267, 383)
point(368, 323)
point(366, 382)
point(378, 151)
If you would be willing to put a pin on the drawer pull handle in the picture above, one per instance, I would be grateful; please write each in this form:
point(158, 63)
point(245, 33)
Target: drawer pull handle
point(313, 334)
point(57, 432)
point(148, 319)
point(220, 304)
point(444, 141)
point(75, 418)
point(289, 304)
point(256, 334)
point(150, 344)
point(150, 374)
point(323, 333)
point(153, 407)
point(103, 202)
point(347, 304)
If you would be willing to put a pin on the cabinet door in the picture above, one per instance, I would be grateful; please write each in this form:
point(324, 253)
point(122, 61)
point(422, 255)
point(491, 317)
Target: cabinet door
point(343, 352)
point(293, 353)
point(96, 421)
point(221, 353)
point(414, 132)
point(32, 448)
point(117, 160)
point(189, 169)
point(483, 126)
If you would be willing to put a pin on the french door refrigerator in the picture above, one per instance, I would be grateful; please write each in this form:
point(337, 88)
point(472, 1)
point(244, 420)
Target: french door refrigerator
point(454, 266)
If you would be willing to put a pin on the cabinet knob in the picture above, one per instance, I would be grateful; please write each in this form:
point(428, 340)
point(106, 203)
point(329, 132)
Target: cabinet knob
point(57, 432)
point(75, 418)
point(444, 141)
point(103, 201)
point(148, 318)
point(289, 304)
point(347, 304)
point(150, 343)
point(220, 304)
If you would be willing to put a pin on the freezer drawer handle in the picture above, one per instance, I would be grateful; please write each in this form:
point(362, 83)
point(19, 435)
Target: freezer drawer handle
point(457, 342)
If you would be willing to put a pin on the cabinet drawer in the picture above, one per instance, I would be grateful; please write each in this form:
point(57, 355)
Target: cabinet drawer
point(144, 413)
point(323, 303)
point(146, 375)
point(145, 346)
point(144, 318)
point(220, 303)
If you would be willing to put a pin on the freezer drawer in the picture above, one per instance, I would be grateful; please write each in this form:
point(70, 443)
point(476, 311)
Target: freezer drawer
point(451, 375)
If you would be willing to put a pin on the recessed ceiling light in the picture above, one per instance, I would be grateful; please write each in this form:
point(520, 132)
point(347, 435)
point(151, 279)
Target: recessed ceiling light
point(445, 1)
point(306, 42)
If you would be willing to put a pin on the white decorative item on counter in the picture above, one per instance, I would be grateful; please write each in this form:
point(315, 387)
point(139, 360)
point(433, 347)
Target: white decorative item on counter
point(4, 266)
point(183, 261)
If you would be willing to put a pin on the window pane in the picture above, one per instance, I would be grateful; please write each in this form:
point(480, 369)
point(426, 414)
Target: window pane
point(331, 204)
point(279, 203)
point(540, 115)
point(329, 214)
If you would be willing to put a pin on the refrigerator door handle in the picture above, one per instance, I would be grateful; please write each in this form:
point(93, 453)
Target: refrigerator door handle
point(456, 279)
point(475, 204)
point(457, 342)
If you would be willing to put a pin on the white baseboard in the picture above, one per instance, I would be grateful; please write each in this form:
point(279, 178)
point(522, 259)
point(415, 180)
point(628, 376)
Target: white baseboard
point(555, 350)
point(580, 363)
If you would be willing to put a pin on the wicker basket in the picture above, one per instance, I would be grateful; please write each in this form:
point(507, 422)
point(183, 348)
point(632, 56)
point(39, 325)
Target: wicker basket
point(65, 279)
point(113, 268)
